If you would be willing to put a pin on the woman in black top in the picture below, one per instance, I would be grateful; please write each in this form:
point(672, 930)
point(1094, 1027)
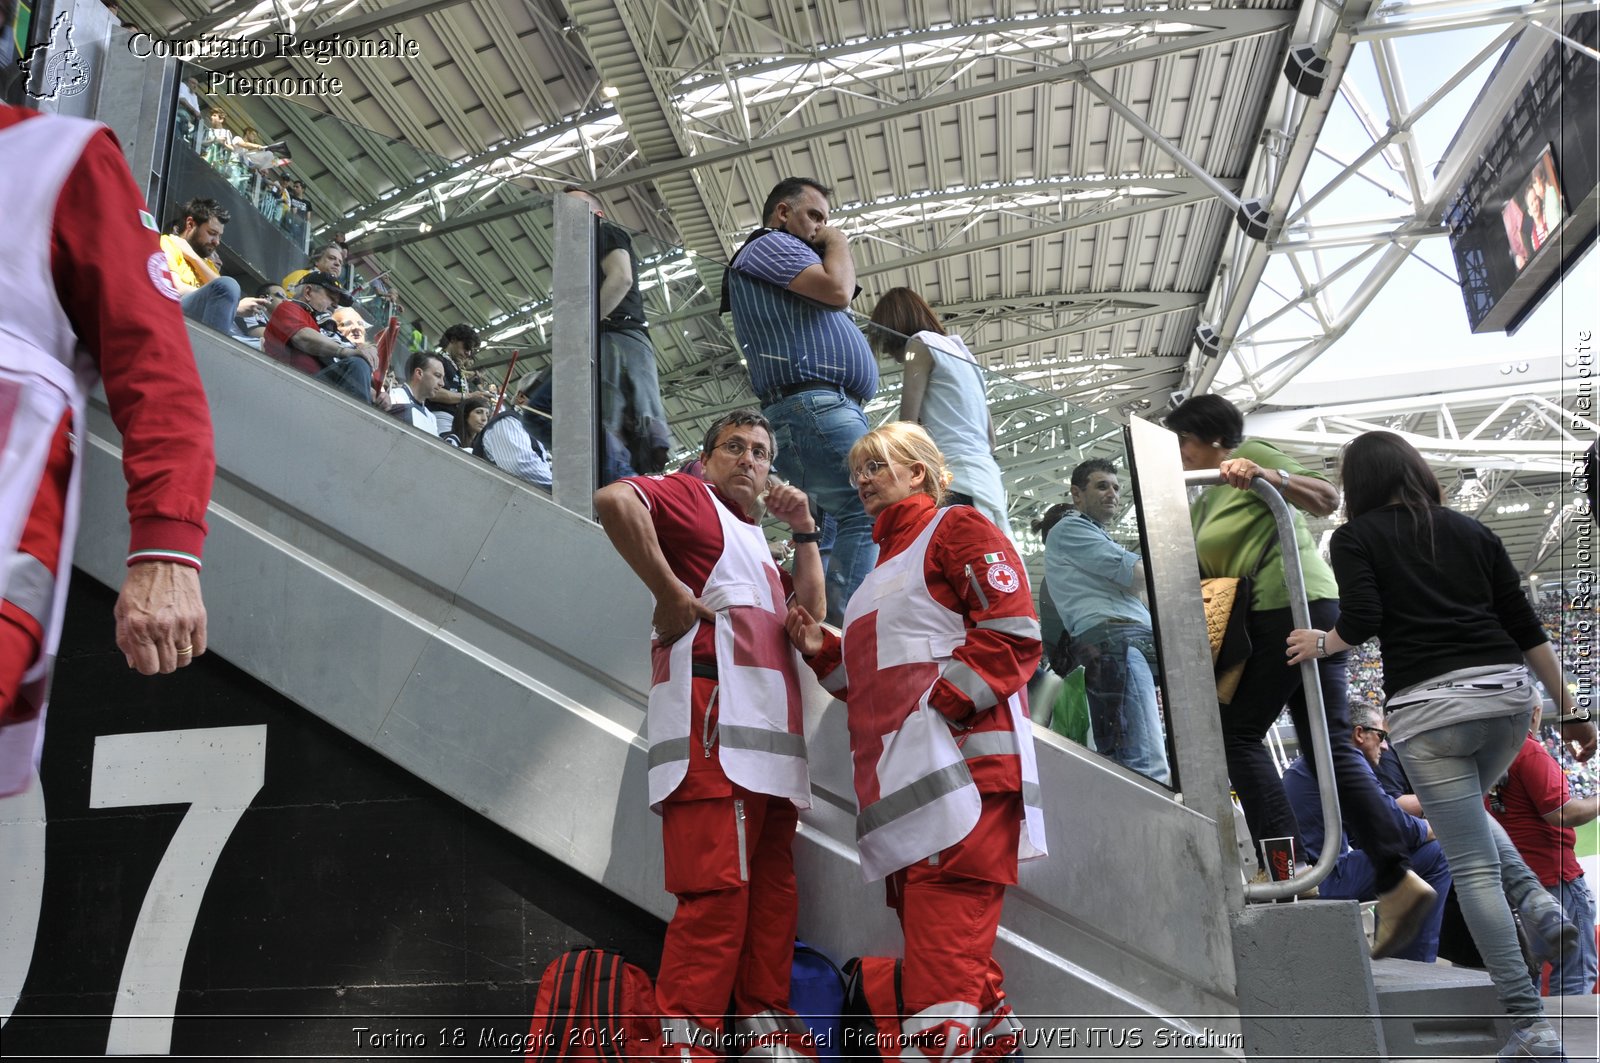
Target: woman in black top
point(1458, 640)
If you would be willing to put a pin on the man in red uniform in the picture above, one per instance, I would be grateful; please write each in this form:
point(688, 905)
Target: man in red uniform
point(89, 294)
point(939, 642)
point(1535, 805)
point(724, 683)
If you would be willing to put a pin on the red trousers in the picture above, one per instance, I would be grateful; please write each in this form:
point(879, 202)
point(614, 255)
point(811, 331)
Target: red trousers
point(950, 911)
point(730, 864)
point(22, 634)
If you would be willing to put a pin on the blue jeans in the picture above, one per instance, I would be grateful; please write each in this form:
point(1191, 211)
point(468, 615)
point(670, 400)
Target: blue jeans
point(213, 304)
point(1452, 768)
point(615, 463)
point(1574, 976)
point(814, 431)
point(352, 375)
point(628, 378)
point(1119, 682)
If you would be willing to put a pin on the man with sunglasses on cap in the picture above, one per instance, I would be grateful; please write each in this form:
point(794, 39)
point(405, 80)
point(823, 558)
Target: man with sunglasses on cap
point(296, 337)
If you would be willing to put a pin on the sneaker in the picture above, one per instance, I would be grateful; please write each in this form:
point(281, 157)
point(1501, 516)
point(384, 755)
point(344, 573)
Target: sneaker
point(1538, 1041)
point(1401, 913)
point(1549, 933)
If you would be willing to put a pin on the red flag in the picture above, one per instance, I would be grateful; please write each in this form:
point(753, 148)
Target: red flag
point(501, 398)
point(386, 339)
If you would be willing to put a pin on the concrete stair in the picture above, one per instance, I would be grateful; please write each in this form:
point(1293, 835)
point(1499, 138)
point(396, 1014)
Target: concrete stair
point(1433, 1011)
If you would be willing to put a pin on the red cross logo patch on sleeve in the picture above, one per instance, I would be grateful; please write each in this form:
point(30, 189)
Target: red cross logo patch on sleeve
point(161, 276)
point(1003, 578)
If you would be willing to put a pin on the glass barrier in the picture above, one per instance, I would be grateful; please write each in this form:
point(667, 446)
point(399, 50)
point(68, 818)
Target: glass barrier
point(297, 187)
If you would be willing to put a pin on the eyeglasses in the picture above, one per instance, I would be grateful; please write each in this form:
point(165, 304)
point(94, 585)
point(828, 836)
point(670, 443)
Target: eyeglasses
point(735, 448)
point(868, 471)
point(1383, 736)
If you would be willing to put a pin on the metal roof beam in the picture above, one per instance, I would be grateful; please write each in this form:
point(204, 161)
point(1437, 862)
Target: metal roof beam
point(1235, 25)
point(356, 26)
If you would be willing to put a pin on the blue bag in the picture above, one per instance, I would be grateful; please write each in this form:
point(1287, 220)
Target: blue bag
point(816, 994)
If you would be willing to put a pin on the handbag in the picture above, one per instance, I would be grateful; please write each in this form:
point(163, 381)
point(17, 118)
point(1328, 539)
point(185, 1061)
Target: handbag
point(1227, 602)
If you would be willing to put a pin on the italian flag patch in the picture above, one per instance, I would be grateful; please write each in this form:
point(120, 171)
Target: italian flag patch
point(148, 220)
point(993, 559)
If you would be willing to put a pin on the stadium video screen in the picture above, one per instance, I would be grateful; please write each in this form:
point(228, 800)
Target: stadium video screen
point(1534, 212)
point(1527, 211)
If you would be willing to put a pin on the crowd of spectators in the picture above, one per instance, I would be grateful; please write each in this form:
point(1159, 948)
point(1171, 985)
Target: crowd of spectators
point(259, 172)
point(1564, 628)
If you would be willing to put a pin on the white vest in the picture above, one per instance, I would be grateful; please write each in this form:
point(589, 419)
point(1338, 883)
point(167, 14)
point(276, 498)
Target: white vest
point(760, 728)
point(913, 787)
point(955, 410)
point(43, 374)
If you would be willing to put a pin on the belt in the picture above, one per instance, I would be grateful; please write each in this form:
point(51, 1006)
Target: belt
point(703, 671)
point(785, 390)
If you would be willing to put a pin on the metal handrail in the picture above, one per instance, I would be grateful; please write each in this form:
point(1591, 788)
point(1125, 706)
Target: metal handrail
point(1321, 745)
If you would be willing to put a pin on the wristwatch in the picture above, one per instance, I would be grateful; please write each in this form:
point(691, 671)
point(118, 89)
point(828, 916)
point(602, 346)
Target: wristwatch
point(1575, 716)
point(806, 537)
point(1322, 644)
point(1283, 479)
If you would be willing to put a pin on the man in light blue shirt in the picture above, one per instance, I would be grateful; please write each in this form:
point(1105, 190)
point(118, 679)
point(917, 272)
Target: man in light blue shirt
point(1095, 585)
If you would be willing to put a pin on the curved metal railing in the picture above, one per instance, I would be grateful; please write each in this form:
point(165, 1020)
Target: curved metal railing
point(1321, 746)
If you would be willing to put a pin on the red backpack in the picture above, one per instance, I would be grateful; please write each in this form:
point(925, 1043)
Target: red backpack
point(873, 1006)
point(593, 1004)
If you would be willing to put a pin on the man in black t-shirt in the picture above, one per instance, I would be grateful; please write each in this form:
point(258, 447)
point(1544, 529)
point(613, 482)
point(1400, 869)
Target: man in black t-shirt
point(630, 392)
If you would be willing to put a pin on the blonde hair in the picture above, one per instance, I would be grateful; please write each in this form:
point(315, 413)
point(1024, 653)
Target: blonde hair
point(905, 443)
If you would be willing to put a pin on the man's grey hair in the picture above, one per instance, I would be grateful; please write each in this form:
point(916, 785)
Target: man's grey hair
point(1366, 714)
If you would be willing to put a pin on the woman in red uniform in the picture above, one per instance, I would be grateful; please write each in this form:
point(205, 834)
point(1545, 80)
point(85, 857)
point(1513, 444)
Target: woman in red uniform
point(939, 643)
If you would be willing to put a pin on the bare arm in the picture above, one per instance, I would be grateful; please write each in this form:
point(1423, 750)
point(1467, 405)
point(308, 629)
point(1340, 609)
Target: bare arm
point(626, 520)
point(1575, 813)
point(1411, 805)
point(617, 268)
point(1546, 666)
point(914, 386)
point(833, 281)
point(790, 505)
point(312, 341)
point(1317, 497)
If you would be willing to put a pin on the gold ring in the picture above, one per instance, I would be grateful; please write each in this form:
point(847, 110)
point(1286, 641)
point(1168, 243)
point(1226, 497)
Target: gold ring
point(182, 650)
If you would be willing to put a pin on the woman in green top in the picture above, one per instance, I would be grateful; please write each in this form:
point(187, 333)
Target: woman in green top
point(1235, 535)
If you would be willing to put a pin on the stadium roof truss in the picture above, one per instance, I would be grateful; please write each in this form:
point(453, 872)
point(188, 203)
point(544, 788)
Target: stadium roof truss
point(1065, 183)
point(1337, 233)
point(1502, 441)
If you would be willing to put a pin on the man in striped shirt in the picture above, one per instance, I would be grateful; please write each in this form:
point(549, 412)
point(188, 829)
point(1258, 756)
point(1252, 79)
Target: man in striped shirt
point(789, 290)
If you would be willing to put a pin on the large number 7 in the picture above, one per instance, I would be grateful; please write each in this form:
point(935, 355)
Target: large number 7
point(217, 771)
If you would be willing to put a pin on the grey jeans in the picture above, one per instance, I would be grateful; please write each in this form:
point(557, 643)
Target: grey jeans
point(1452, 768)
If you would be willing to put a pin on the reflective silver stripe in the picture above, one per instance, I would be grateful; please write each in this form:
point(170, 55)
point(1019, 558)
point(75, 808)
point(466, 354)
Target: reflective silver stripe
point(1032, 796)
point(744, 852)
point(989, 744)
point(835, 680)
point(686, 1032)
point(907, 799)
point(769, 1022)
point(1025, 627)
point(953, 1010)
point(30, 586)
point(665, 752)
point(778, 743)
point(963, 678)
